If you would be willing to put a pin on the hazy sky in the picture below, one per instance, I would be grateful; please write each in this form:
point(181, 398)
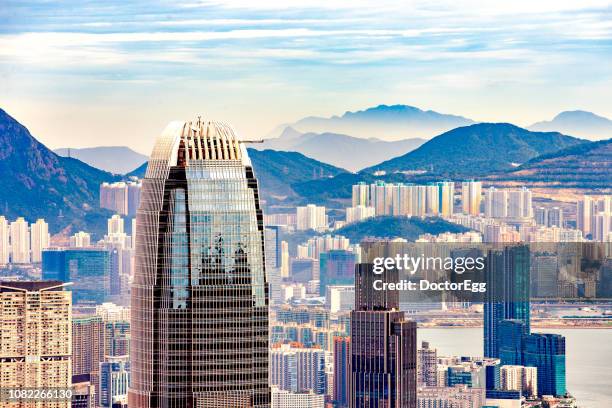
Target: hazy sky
point(86, 73)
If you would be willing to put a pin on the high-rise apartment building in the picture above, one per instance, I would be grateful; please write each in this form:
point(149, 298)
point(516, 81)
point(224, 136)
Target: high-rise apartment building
point(121, 197)
point(20, 241)
point(199, 299)
point(342, 355)
point(517, 377)
point(427, 362)
point(87, 344)
point(496, 203)
point(5, 247)
point(471, 197)
point(80, 239)
point(39, 239)
point(519, 203)
point(361, 195)
point(446, 195)
point(383, 343)
point(36, 341)
point(298, 369)
point(359, 213)
point(311, 217)
point(459, 396)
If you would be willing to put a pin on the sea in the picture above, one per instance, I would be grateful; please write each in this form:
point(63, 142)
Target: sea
point(588, 357)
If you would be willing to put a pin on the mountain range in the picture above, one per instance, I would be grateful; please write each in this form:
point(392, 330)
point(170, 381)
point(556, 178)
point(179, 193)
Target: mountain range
point(352, 153)
point(386, 122)
point(476, 150)
point(579, 123)
point(37, 183)
point(114, 159)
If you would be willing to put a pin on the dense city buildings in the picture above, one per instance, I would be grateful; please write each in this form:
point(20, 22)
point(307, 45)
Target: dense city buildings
point(287, 399)
point(594, 217)
point(36, 345)
point(200, 208)
point(297, 368)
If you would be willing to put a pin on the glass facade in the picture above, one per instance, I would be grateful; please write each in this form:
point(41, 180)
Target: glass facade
point(89, 269)
point(199, 297)
point(507, 295)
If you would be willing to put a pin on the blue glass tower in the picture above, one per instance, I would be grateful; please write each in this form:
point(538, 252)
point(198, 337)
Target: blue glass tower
point(511, 333)
point(547, 352)
point(507, 296)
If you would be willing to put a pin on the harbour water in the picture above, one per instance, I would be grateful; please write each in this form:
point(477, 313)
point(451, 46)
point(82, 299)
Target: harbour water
point(588, 357)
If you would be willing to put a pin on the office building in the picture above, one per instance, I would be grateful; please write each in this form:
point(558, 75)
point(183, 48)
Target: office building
point(114, 381)
point(510, 341)
point(200, 207)
point(336, 267)
point(36, 341)
point(89, 269)
point(20, 241)
point(507, 295)
point(39, 239)
point(471, 197)
point(383, 343)
point(547, 353)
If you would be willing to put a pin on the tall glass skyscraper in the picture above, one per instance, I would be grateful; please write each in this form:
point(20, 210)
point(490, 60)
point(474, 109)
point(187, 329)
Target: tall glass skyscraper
point(199, 296)
point(507, 295)
point(383, 348)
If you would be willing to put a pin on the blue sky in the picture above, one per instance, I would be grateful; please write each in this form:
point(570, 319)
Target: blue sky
point(85, 73)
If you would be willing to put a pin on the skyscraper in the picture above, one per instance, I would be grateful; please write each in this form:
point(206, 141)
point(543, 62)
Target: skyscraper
point(547, 352)
point(199, 302)
point(114, 380)
point(342, 355)
point(36, 338)
point(507, 295)
point(383, 342)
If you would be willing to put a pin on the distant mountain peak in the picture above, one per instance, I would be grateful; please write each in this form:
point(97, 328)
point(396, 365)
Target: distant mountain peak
point(579, 123)
point(385, 122)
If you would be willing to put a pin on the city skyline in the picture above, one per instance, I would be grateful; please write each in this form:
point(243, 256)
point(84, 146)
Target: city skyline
point(265, 65)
